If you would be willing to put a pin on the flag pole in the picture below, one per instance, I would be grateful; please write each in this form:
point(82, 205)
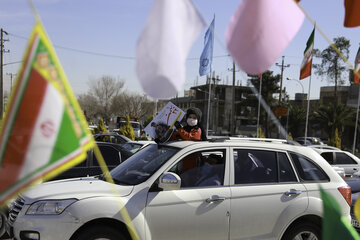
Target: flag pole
point(307, 110)
point(258, 117)
point(208, 107)
point(356, 121)
point(358, 104)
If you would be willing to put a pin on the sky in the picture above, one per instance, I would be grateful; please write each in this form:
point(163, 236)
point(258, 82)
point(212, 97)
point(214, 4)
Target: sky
point(95, 38)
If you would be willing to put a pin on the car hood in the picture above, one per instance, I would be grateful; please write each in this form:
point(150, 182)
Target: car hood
point(78, 188)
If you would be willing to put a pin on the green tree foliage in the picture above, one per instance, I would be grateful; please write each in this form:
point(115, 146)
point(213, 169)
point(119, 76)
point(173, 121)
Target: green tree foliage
point(148, 119)
point(328, 117)
point(270, 86)
point(336, 140)
point(332, 66)
point(101, 128)
point(296, 121)
point(261, 134)
point(127, 130)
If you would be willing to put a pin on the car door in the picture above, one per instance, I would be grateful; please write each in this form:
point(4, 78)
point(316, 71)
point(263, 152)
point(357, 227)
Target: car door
point(345, 161)
point(265, 194)
point(200, 208)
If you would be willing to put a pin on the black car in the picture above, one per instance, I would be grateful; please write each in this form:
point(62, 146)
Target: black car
point(111, 137)
point(113, 154)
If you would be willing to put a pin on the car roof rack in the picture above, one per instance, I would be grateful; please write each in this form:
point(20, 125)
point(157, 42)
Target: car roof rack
point(269, 140)
point(218, 139)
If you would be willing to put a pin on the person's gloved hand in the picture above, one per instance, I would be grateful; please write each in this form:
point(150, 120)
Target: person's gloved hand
point(178, 125)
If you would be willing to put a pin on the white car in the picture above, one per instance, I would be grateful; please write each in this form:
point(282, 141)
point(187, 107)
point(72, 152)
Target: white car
point(226, 189)
point(343, 159)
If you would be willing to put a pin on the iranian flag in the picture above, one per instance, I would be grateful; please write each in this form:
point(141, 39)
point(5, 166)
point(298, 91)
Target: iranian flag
point(44, 131)
point(357, 68)
point(305, 70)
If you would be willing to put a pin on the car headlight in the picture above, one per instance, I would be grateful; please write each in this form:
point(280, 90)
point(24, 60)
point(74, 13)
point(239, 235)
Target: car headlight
point(49, 207)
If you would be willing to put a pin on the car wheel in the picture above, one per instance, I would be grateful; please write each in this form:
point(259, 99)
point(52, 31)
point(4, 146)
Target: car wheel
point(100, 233)
point(303, 231)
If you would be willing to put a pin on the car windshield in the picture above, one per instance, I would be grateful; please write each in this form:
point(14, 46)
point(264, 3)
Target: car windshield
point(139, 167)
point(132, 147)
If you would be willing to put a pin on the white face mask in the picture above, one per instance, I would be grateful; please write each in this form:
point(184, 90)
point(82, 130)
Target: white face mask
point(191, 122)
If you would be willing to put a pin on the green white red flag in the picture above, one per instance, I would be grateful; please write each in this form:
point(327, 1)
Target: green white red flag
point(305, 69)
point(44, 131)
point(357, 68)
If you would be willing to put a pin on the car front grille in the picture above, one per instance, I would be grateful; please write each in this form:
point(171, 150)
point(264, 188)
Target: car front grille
point(15, 209)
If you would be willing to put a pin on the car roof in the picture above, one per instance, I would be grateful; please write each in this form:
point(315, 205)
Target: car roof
point(325, 147)
point(322, 150)
point(279, 144)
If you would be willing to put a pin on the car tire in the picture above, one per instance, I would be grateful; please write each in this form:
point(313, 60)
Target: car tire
point(303, 231)
point(100, 232)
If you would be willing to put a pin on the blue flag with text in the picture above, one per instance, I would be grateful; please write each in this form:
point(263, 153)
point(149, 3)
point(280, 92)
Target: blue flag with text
point(207, 54)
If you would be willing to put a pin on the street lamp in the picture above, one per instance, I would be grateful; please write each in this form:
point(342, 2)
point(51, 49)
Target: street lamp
point(298, 82)
point(302, 87)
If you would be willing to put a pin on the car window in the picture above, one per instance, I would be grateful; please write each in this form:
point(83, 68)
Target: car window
point(286, 172)
point(308, 170)
point(343, 158)
point(328, 156)
point(110, 155)
point(143, 164)
point(200, 169)
point(132, 147)
point(255, 166)
point(119, 139)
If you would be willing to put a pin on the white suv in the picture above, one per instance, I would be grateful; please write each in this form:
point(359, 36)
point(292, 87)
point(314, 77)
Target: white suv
point(343, 159)
point(226, 189)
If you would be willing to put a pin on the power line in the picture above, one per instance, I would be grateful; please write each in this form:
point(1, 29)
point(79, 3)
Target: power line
point(101, 54)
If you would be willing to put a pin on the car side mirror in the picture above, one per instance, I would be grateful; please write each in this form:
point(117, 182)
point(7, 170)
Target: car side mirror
point(169, 181)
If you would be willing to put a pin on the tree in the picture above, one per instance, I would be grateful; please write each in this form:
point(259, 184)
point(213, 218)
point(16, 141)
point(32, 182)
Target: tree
point(296, 121)
point(104, 90)
point(269, 88)
point(127, 130)
point(325, 118)
point(89, 105)
point(101, 128)
point(332, 66)
point(132, 104)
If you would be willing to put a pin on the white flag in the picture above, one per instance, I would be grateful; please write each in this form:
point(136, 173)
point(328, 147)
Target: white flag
point(171, 29)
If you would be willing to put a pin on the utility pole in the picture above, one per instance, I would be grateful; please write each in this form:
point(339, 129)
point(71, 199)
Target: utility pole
point(282, 74)
point(1, 72)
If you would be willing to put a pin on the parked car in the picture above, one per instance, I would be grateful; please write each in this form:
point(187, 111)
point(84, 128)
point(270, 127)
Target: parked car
point(304, 142)
point(339, 158)
point(113, 154)
point(235, 189)
point(312, 140)
point(111, 137)
point(324, 147)
point(134, 146)
point(354, 183)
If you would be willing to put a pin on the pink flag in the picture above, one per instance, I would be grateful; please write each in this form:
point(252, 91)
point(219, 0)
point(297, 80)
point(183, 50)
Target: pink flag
point(259, 32)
